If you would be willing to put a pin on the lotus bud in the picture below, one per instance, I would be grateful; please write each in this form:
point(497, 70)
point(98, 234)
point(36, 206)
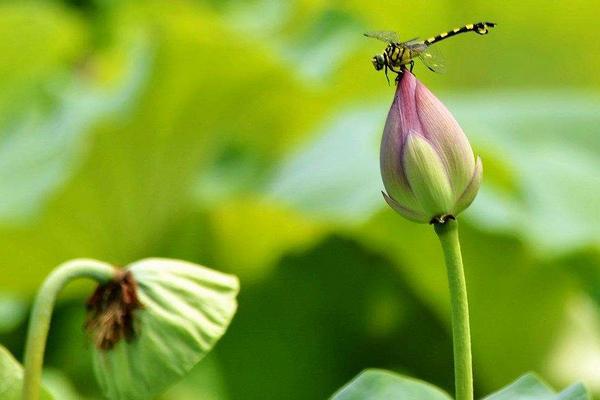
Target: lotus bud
point(427, 165)
point(154, 322)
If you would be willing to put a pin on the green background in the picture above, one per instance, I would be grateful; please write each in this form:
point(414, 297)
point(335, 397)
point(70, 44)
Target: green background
point(244, 136)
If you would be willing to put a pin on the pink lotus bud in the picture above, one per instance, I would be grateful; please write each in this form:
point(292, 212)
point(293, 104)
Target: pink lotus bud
point(427, 165)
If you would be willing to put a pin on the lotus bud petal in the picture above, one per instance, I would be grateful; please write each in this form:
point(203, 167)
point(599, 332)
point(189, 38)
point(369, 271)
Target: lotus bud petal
point(155, 322)
point(427, 165)
point(471, 190)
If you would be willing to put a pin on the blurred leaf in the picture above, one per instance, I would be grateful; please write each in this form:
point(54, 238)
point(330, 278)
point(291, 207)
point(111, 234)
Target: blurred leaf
point(336, 177)
point(380, 384)
point(530, 387)
point(527, 387)
point(575, 392)
point(11, 378)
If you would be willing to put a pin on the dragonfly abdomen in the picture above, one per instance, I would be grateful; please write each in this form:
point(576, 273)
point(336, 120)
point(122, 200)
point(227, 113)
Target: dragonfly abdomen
point(480, 28)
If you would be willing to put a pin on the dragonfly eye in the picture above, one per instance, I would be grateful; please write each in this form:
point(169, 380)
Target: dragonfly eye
point(378, 62)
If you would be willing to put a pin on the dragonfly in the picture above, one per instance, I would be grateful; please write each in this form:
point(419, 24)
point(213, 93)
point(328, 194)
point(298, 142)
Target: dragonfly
point(399, 56)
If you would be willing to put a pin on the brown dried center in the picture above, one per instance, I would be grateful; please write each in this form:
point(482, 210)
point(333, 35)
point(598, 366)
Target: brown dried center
point(110, 311)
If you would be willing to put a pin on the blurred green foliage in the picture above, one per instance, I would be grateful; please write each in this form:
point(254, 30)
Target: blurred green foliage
point(243, 135)
point(11, 378)
point(381, 384)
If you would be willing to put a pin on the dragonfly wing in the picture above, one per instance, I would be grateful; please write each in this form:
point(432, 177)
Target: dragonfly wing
point(433, 60)
point(384, 36)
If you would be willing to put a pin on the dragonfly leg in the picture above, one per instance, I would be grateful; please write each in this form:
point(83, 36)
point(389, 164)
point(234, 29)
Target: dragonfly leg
point(386, 75)
point(412, 65)
point(398, 73)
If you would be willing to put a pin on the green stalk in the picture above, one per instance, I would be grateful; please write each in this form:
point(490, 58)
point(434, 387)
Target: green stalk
point(41, 314)
point(461, 336)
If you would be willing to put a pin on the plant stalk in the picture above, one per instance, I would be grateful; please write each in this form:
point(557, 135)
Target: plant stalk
point(39, 321)
point(461, 336)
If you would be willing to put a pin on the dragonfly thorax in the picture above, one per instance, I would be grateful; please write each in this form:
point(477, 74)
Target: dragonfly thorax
point(399, 54)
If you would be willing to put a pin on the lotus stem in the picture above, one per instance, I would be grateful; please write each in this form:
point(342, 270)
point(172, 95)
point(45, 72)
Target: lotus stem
point(461, 336)
point(41, 314)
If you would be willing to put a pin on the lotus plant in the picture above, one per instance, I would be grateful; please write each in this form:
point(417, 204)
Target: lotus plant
point(430, 176)
point(149, 324)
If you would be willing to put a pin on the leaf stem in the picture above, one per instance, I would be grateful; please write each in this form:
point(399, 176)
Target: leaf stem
point(39, 321)
point(463, 368)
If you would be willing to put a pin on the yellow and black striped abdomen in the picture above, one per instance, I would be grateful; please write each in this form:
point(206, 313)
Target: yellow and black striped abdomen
point(480, 28)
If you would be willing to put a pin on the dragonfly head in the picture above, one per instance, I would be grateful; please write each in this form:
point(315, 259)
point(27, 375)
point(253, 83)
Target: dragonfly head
point(378, 61)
